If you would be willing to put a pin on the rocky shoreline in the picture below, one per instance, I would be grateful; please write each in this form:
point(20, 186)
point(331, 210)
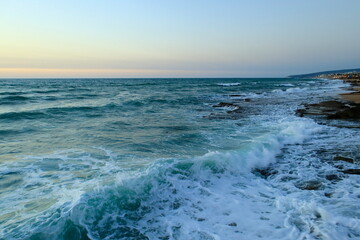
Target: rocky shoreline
point(342, 112)
point(346, 108)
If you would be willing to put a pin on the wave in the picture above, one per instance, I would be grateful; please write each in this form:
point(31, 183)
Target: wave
point(15, 116)
point(177, 198)
point(282, 92)
point(12, 93)
point(285, 85)
point(9, 132)
point(250, 192)
point(55, 112)
point(290, 90)
point(228, 84)
point(13, 100)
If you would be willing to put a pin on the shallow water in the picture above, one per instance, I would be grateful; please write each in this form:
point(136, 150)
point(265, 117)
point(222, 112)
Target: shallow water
point(154, 159)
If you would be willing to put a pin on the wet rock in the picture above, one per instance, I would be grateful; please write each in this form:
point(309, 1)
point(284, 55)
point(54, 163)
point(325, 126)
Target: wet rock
point(328, 194)
point(351, 171)
point(309, 185)
point(265, 172)
point(322, 108)
point(348, 113)
point(333, 177)
point(329, 104)
point(342, 126)
point(345, 159)
point(287, 178)
point(236, 112)
point(308, 111)
point(332, 110)
point(339, 166)
point(220, 116)
point(300, 112)
point(225, 104)
point(321, 151)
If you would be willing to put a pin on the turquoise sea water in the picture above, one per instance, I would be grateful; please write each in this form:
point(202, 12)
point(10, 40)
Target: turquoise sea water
point(162, 159)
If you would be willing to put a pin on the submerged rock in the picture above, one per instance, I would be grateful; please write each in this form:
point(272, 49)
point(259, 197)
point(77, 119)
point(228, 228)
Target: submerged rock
point(329, 195)
point(309, 185)
point(234, 113)
point(265, 172)
point(345, 159)
point(333, 177)
point(352, 171)
point(228, 115)
point(225, 104)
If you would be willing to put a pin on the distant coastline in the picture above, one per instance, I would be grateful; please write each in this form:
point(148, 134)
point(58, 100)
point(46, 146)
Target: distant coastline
point(326, 74)
point(351, 76)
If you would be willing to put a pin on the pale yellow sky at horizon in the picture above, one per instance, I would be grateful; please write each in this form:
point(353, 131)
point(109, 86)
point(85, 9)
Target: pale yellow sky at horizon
point(103, 73)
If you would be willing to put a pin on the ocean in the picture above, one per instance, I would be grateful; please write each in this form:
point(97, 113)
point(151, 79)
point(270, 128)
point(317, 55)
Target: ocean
point(174, 159)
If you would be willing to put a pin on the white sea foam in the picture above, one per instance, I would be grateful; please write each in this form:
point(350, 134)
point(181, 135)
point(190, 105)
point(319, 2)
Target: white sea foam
point(285, 85)
point(229, 84)
point(215, 196)
point(290, 90)
point(252, 191)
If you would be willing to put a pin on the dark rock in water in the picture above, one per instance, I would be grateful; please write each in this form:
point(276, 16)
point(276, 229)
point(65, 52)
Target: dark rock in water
point(265, 172)
point(352, 171)
point(247, 100)
point(333, 177)
point(345, 159)
point(348, 113)
point(233, 224)
point(219, 116)
point(287, 178)
point(233, 114)
point(328, 195)
point(225, 104)
point(321, 151)
point(344, 126)
point(332, 110)
point(339, 166)
point(329, 104)
point(300, 112)
point(309, 185)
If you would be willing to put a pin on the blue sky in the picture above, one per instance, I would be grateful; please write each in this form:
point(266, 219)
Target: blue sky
point(88, 38)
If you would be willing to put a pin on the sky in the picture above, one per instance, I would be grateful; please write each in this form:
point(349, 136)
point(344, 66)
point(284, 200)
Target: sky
point(173, 38)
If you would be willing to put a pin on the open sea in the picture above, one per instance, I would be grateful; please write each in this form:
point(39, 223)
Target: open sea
point(174, 159)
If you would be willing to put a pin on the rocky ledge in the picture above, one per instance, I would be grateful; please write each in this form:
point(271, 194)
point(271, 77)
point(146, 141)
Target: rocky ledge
point(348, 109)
point(332, 110)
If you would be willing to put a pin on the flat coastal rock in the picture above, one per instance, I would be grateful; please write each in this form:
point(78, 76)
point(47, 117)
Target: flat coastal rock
point(332, 110)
